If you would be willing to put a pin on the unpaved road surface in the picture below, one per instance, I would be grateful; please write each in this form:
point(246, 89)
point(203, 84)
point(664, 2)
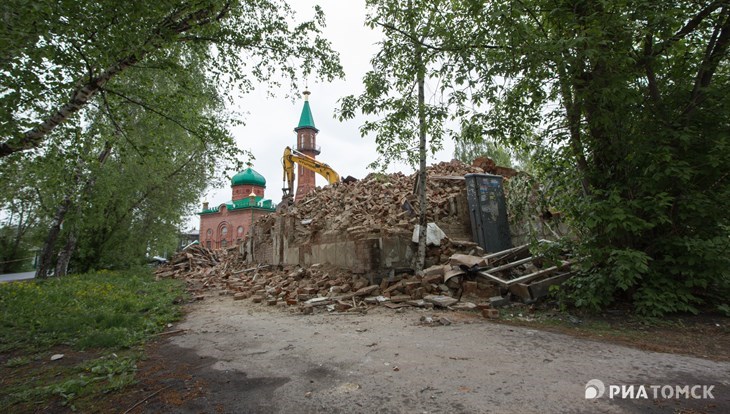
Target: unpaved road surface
point(238, 357)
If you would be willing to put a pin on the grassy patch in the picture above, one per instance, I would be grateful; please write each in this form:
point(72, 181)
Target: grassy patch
point(98, 321)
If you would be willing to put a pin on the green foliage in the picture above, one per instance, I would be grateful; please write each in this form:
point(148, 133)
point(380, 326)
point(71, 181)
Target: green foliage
point(125, 108)
point(624, 110)
point(108, 314)
point(112, 310)
point(58, 56)
point(17, 361)
point(472, 143)
point(14, 257)
point(391, 87)
point(88, 380)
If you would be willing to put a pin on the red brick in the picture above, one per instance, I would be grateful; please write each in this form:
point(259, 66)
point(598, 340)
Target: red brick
point(490, 313)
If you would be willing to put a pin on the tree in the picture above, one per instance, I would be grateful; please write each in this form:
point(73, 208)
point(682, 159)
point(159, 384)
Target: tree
point(122, 161)
point(395, 88)
point(468, 147)
point(622, 106)
point(630, 119)
point(15, 251)
point(59, 56)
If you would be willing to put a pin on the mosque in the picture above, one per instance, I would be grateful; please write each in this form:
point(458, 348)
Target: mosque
point(228, 224)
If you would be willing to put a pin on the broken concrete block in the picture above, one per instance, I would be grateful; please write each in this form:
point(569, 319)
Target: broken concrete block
point(257, 299)
point(239, 296)
point(463, 306)
point(307, 310)
point(419, 303)
point(433, 270)
point(440, 300)
point(318, 301)
point(434, 234)
point(467, 260)
point(498, 301)
point(271, 302)
point(444, 321)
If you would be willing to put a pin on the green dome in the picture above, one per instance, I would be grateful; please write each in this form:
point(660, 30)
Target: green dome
point(248, 177)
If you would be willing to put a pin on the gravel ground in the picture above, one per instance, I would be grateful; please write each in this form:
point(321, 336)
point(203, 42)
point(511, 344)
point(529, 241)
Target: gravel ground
point(238, 357)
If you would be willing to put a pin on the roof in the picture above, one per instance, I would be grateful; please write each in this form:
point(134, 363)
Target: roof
point(243, 204)
point(249, 177)
point(306, 120)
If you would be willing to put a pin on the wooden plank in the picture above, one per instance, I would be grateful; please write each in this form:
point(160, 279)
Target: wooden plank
point(493, 278)
point(447, 177)
point(510, 265)
point(504, 252)
point(543, 272)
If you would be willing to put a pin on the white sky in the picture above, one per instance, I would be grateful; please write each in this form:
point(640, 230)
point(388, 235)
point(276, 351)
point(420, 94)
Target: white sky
point(270, 121)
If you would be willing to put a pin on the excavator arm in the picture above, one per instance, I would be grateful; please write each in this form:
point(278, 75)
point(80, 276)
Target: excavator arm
point(292, 157)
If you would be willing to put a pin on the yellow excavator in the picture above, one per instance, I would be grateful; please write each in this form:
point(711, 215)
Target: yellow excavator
point(292, 157)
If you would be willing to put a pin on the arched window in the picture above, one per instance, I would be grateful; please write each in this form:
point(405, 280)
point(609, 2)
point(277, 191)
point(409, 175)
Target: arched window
point(240, 230)
point(224, 231)
point(224, 243)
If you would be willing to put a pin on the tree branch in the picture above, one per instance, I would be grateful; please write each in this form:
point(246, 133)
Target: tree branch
point(156, 112)
point(690, 26)
point(716, 51)
point(84, 93)
point(440, 48)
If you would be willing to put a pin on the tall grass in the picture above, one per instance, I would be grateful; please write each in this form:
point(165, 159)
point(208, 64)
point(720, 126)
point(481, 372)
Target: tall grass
point(110, 314)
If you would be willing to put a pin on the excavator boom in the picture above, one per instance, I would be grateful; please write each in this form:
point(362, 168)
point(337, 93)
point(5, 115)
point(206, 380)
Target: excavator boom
point(292, 157)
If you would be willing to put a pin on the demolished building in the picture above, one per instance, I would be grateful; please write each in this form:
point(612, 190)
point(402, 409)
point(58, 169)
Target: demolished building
point(367, 226)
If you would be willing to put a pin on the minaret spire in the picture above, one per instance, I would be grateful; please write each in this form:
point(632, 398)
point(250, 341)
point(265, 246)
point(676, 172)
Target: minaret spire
point(306, 144)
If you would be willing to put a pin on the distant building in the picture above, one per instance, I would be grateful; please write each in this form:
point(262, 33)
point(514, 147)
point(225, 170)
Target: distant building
point(188, 236)
point(229, 223)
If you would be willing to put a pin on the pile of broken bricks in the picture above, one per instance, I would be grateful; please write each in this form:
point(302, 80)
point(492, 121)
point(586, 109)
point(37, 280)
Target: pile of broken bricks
point(382, 202)
point(482, 279)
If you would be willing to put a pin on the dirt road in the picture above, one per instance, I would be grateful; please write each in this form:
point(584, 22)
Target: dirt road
point(238, 357)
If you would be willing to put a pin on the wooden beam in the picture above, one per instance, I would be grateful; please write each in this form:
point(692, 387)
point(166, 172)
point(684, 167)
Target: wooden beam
point(543, 272)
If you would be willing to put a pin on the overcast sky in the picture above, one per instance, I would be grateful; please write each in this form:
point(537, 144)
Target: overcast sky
point(270, 121)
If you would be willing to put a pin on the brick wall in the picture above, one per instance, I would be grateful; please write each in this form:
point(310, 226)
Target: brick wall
point(236, 222)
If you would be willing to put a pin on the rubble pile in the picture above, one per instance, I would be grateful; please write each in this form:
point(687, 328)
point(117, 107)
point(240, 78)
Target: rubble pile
point(465, 282)
point(206, 271)
point(379, 201)
point(462, 277)
point(201, 268)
